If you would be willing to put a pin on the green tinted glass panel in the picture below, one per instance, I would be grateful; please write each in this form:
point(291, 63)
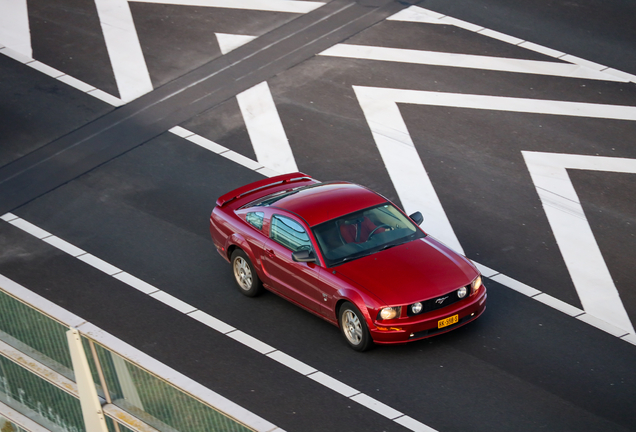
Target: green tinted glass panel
point(36, 398)
point(156, 402)
point(39, 332)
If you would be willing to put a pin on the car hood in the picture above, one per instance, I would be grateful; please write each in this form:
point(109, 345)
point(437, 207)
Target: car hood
point(411, 272)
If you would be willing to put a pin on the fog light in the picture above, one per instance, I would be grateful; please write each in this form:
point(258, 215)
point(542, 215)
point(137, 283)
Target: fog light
point(416, 307)
point(461, 293)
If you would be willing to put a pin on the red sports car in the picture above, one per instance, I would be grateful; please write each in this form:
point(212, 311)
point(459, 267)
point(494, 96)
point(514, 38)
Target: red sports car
point(348, 255)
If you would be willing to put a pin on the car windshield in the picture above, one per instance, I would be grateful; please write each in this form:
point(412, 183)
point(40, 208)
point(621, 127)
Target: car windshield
point(364, 232)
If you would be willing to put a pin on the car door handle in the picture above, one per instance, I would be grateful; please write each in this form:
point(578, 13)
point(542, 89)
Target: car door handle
point(270, 253)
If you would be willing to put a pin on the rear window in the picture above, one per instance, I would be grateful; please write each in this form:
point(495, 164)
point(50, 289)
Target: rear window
point(255, 219)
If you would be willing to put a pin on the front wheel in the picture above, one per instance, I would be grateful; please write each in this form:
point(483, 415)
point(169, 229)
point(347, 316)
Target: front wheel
point(354, 328)
point(246, 278)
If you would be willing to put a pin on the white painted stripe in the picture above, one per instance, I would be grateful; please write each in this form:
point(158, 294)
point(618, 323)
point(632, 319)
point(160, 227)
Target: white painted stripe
point(267, 172)
point(206, 143)
point(211, 322)
point(631, 338)
point(291, 6)
point(497, 103)
point(577, 60)
point(541, 49)
point(74, 82)
point(501, 36)
point(14, 26)
point(467, 61)
point(461, 24)
point(334, 384)
point(557, 304)
point(242, 160)
point(377, 406)
point(412, 424)
point(136, 283)
point(229, 42)
point(417, 14)
point(515, 285)
point(15, 55)
point(182, 132)
point(583, 258)
point(7, 217)
point(124, 49)
point(45, 69)
point(292, 363)
point(403, 163)
point(621, 74)
point(30, 228)
point(266, 129)
point(99, 264)
point(251, 342)
point(173, 302)
point(105, 97)
point(485, 271)
point(64, 246)
point(602, 325)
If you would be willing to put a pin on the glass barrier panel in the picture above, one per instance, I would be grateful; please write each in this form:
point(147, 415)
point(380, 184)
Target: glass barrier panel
point(39, 400)
point(156, 402)
point(21, 325)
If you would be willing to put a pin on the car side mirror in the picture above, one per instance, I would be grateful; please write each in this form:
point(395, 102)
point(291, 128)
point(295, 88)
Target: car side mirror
point(417, 218)
point(304, 256)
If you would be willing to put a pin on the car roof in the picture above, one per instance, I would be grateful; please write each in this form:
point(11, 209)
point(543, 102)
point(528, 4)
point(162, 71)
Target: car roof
point(325, 201)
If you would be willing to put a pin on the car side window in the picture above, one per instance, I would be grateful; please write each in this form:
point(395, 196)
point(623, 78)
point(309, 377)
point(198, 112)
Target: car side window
point(255, 219)
point(289, 233)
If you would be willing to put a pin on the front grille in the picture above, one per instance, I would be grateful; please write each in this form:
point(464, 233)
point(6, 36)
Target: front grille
point(438, 302)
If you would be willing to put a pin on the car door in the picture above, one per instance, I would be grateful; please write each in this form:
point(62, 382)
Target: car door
point(298, 281)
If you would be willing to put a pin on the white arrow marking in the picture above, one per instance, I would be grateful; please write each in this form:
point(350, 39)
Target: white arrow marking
point(14, 26)
point(291, 6)
point(265, 129)
point(572, 231)
point(229, 42)
point(124, 49)
point(467, 61)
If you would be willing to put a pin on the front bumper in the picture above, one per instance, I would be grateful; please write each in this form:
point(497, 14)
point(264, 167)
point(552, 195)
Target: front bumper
point(399, 331)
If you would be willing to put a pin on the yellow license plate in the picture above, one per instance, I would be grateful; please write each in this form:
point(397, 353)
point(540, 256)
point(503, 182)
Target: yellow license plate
point(447, 321)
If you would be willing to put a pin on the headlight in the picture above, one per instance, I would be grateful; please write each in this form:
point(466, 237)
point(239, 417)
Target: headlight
point(416, 307)
point(389, 313)
point(475, 285)
point(461, 293)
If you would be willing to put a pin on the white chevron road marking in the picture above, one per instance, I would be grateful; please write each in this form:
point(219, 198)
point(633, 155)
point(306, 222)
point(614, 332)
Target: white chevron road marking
point(468, 61)
point(573, 233)
point(14, 26)
point(266, 129)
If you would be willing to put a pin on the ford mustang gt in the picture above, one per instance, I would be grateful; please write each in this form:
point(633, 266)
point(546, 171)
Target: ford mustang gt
point(347, 255)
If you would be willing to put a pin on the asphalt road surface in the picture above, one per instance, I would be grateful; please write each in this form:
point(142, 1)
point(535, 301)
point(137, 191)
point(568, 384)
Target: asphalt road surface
point(510, 126)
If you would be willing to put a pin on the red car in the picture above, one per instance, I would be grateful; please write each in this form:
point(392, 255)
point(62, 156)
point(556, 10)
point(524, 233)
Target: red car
point(348, 255)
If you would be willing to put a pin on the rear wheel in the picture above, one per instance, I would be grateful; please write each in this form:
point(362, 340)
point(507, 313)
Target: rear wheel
point(246, 278)
point(354, 327)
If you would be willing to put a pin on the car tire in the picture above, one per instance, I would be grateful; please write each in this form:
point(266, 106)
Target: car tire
point(354, 327)
point(245, 276)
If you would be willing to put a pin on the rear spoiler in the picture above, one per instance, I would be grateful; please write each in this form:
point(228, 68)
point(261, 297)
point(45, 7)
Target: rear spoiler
point(259, 185)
